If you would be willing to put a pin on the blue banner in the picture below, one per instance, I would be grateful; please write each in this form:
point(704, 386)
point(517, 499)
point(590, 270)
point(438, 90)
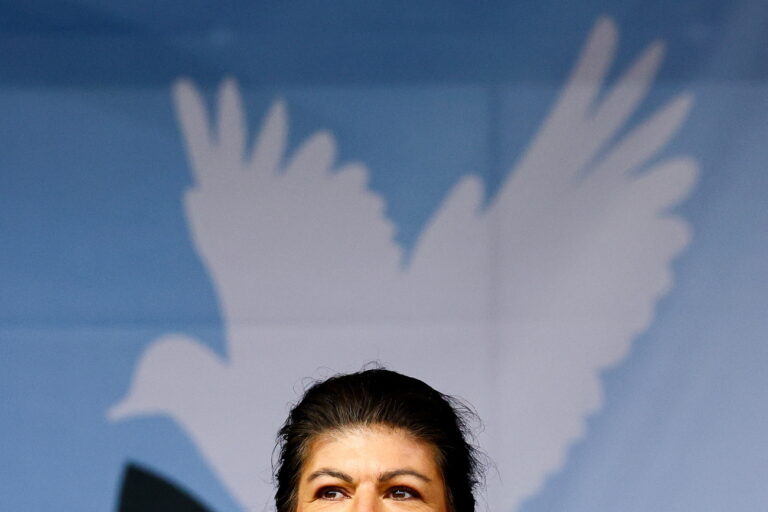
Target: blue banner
point(555, 212)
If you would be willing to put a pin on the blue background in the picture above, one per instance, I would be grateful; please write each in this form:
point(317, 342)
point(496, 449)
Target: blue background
point(96, 260)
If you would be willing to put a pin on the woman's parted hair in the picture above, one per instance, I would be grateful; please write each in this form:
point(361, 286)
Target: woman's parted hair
point(381, 397)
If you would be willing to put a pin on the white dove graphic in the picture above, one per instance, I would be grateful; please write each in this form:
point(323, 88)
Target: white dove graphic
point(517, 305)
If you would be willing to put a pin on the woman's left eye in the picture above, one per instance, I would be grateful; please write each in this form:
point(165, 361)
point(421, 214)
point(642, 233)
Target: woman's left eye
point(403, 493)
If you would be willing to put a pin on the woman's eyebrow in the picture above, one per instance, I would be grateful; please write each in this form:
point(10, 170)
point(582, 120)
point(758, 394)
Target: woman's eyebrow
point(398, 472)
point(330, 472)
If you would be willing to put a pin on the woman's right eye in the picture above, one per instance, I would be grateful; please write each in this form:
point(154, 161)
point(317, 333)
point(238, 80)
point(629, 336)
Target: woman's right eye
point(331, 493)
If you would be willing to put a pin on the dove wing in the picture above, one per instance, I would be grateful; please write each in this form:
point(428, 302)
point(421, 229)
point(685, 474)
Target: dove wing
point(585, 246)
point(286, 238)
point(568, 260)
point(449, 273)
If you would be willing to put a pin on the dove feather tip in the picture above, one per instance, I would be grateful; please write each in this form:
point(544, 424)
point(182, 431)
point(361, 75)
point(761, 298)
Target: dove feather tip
point(183, 83)
point(228, 86)
point(606, 26)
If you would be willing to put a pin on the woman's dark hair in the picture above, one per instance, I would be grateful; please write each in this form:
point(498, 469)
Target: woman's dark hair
point(380, 397)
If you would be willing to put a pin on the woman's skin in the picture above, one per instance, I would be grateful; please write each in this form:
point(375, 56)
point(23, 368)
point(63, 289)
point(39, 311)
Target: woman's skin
point(371, 469)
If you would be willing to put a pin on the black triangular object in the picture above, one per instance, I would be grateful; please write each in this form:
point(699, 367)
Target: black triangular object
point(144, 491)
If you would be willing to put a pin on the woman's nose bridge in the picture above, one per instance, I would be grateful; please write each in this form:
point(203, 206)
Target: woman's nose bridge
point(366, 500)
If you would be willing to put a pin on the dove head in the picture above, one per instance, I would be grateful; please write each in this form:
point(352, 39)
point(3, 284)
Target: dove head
point(381, 398)
point(172, 376)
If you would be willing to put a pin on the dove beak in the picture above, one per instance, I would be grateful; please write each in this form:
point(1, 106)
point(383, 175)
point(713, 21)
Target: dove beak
point(121, 410)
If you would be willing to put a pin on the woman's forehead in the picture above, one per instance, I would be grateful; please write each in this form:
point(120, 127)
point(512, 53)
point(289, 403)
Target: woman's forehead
point(371, 449)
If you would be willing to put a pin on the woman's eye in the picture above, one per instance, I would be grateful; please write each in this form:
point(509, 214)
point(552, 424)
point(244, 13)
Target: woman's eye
point(330, 493)
point(403, 493)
